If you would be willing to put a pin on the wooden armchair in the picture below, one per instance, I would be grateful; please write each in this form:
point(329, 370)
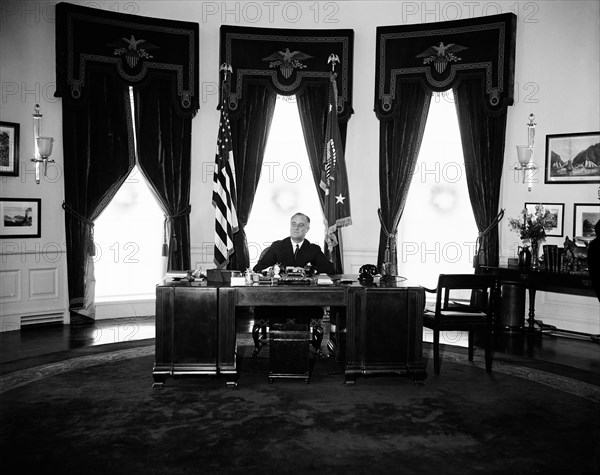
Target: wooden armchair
point(471, 314)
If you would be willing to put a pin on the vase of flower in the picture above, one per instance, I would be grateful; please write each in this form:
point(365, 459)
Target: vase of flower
point(532, 228)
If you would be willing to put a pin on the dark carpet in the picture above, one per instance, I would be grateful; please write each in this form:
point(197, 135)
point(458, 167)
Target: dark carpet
point(102, 417)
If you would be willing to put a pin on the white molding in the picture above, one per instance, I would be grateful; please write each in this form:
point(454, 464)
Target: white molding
point(123, 308)
point(32, 284)
point(43, 283)
point(10, 286)
point(12, 321)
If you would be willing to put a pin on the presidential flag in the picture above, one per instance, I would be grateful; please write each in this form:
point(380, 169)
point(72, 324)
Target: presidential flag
point(224, 193)
point(334, 181)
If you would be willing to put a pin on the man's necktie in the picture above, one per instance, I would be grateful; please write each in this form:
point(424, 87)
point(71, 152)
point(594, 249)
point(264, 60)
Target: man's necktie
point(295, 252)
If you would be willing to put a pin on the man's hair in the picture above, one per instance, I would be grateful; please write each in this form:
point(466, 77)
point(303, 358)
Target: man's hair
point(301, 214)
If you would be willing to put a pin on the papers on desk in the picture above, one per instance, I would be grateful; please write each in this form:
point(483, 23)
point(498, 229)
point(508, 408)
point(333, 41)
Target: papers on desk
point(175, 276)
point(238, 281)
point(324, 280)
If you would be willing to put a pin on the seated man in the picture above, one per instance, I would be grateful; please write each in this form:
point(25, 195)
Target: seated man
point(293, 251)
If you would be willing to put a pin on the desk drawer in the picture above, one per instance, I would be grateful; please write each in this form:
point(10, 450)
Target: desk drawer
point(291, 296)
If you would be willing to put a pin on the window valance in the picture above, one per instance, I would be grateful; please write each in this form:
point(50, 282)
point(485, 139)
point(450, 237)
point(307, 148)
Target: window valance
point(438, 54)
point(135, 48)
point(288, 60)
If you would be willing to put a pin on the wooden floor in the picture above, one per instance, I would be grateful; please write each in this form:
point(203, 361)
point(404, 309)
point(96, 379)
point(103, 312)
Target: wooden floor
point(576, 356)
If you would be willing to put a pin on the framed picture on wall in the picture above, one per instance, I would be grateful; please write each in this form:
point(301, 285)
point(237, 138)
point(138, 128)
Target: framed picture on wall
point(21, 217)
point(585, 217)
point(9, 149)
point(573, 158)
point(557, 210)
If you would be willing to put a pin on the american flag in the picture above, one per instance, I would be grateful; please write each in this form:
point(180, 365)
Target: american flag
point(334, 181)
point(224, 193)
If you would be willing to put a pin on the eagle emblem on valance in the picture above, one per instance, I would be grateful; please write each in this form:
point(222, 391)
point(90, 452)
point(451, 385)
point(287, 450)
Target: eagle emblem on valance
point(133, 50)
point(287, 61)
point(441, 55)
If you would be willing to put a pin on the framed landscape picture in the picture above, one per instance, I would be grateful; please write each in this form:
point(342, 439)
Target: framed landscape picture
point(585, 217)
point(558, 212)
point(21, 217)
point(573, 158)
point(9, 149)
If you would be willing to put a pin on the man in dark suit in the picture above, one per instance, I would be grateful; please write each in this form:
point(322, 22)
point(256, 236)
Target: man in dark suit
point(593, 260)
point(293, 251)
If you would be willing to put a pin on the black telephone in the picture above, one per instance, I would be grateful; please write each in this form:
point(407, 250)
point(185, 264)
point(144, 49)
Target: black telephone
point(366, 273)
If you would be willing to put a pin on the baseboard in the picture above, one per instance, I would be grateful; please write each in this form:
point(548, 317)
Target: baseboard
point(139, 307)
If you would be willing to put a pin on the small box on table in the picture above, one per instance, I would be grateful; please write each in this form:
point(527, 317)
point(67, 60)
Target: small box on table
point(221, 276)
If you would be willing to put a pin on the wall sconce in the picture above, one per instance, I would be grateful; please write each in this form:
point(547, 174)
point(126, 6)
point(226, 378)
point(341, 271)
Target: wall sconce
point(42, 145)
point(525, 153)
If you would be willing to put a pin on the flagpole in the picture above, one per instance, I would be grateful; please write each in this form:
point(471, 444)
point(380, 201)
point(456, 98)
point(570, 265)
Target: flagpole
point(334, 182)
point(224, 187)
point(334, 59)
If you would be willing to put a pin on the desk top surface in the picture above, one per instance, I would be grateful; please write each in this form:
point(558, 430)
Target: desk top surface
point(338, 281)
point(562, 282)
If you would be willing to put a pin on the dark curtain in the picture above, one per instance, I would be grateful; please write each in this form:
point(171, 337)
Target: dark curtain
point(250, 126)
point(400, 138)
point(312, 107)
point(98, 157)
point(482, 134)
point(164, 141)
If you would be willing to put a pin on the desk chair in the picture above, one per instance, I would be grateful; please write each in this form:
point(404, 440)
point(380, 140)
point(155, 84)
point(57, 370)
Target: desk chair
point(474, 314)
point(267, 316)
point(264, 317)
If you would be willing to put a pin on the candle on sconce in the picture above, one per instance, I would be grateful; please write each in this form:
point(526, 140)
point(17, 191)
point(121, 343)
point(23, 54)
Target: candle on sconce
point(42, 145)
point(531, 131)
point(37, 129)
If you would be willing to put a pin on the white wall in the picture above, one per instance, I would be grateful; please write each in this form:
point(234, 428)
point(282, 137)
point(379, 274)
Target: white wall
point(27, 77)
point(557, 79)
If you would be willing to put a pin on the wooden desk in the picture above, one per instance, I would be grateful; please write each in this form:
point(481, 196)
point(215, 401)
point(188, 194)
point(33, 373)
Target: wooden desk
point(186, 331)
point(533, 280)
point(381, 332)
point(232, 297)
point(382, 327)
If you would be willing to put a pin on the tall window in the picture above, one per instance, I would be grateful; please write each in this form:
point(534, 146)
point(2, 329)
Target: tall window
point(128, 236)
point(437, 231)
point(286, 184)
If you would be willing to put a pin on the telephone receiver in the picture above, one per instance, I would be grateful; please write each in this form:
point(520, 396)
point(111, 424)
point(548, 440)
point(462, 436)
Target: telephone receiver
point(366, 273)
point(368, 269)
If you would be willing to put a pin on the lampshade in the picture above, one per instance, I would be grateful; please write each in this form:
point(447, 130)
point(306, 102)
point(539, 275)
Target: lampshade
point(45, 146)
point(524, 154)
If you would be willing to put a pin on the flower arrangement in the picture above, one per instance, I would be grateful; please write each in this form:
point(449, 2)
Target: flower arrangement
point(533, 226)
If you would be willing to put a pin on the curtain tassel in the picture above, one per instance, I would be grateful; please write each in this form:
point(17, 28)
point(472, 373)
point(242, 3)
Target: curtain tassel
point(91, 245)
point(165, 246)
point(481, 244)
